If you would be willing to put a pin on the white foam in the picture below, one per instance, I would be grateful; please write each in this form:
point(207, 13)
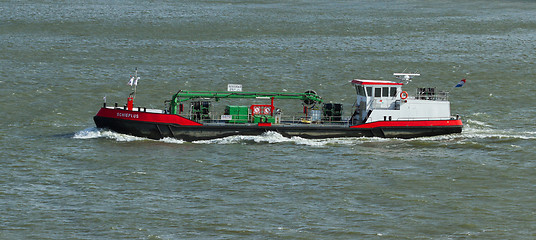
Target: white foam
point(91, 133)
point(470, 131)
point(172, 140)
point(475, 122)
point(268, 137)
point(87, 133)
point(274, 137)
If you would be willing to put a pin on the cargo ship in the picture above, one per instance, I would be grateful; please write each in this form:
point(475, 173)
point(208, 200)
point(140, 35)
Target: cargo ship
point(381, 109)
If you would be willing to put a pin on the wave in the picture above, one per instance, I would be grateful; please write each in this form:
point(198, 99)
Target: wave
point(274, 137)
point(473, 130)
point(266, 138)
point(91, 133)
point(477, 123)
point(470, 132)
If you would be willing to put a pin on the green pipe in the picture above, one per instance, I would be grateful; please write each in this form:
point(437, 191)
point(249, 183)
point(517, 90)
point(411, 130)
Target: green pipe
point(183, 96)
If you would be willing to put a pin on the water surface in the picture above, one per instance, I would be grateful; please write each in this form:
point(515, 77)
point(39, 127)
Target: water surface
point(64, 179)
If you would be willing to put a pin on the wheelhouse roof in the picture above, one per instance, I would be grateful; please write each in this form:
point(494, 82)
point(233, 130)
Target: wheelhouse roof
point(374, 82)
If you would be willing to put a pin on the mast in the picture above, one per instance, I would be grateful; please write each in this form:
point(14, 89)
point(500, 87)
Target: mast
point(133, 82)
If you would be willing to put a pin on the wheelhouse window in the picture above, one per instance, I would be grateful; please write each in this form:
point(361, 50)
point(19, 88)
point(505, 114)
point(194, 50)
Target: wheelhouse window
point(369, 91)
point(377, 92)
point(393, 92)
point(385, 92)
point(360, 90)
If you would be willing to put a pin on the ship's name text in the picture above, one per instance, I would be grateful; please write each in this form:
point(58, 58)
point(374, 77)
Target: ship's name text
point(128, 115)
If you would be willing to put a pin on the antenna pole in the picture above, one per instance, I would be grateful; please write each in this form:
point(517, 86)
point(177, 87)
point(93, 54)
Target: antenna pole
point(136, 81)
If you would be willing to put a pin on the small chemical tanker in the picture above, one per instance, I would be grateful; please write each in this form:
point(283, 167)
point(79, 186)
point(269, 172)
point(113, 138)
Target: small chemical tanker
point(382, 109)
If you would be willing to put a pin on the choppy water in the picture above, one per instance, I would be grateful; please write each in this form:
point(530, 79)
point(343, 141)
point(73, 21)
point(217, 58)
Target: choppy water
point(61, 178)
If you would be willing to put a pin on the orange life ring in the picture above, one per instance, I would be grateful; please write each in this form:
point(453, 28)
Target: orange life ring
point(404, 95)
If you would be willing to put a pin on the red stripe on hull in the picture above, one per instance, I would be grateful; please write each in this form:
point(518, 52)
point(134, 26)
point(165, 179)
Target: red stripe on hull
point(417, 123)
point(146, 117)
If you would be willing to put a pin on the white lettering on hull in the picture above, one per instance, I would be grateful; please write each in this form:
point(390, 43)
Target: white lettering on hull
point(128, 115)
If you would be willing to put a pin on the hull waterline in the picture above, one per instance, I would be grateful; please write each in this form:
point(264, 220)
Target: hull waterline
point(154, 126)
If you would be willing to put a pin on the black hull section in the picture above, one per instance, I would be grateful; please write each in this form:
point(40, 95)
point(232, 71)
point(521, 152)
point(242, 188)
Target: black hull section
point(413, 132)
point(193, 133)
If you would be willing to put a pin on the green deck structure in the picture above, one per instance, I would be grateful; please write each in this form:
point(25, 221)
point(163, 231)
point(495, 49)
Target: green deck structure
point(308, 97)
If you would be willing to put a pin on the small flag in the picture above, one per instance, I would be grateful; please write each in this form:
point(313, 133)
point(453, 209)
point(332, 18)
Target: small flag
point(136, 81)
point(461, 83)
point(131, 81)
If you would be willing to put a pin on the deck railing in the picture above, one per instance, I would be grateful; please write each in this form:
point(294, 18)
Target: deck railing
point(431, 94)
point(216, 118)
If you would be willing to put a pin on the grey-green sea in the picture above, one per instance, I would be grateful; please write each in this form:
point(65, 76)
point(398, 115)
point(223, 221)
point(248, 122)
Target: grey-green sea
point(63, 178)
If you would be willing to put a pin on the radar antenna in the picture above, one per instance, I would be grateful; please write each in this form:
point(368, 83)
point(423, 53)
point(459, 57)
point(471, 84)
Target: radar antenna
point(406, 77)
